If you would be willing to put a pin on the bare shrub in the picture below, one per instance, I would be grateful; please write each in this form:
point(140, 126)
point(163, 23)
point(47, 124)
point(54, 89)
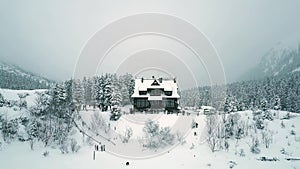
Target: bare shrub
point(127, 135)
point(254, 146)
point(74, 146)
point(46, 153)
point(267, 137)
point(98, 123)
point(64, 148)
point(156, 137)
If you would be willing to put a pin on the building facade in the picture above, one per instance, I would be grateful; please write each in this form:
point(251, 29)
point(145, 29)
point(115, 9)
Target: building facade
point(155, 94)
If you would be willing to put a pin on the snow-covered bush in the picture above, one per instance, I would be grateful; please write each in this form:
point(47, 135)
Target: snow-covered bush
point(259, 123)
point(9, 130)
point(74, 146)
point(293, 132)
point(215, 131)
point(212, 141)
point(284, 152)
point(267, 114)
point(211, 123)
point(235, 127)
point(127, 135)
point(192, 146)
point(254, 150)
point(264, 104)
point(23, 104)
point(254, 146)
point(64, 147)
point(287, 116)
point(239, 132)
point(99, 124)
point(115, 115)
point(155, 137)
point(166, 138)
point(242, 153)
point(267, 137)
point(151, 131)
point(256, 113)
point(2, 101)
point(282, 124)
point(180, 138)
point(46, 153)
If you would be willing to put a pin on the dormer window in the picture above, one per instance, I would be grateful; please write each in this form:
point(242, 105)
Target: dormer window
point(168, 93)
point(142, 92)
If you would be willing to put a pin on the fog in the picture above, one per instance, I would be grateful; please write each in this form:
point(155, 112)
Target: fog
point(46, 37)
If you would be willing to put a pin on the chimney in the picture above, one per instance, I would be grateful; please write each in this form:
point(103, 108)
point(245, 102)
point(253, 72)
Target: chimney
point(174, 80)
point(160, 80)
point(142, 79)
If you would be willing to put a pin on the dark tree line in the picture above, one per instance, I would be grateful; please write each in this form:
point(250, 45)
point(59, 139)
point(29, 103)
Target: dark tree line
point(15, 81)
point(279, 92)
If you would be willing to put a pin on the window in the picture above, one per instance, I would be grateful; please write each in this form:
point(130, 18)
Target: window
point(155, 92)
point(142, 92)
point(170, 103)
point(141, 103)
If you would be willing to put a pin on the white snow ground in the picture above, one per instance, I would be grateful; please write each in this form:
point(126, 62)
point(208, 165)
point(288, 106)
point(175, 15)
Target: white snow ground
point(18, 155)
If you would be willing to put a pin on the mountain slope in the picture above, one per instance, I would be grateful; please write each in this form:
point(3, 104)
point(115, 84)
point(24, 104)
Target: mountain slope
point(13, 77)
point(278, 61)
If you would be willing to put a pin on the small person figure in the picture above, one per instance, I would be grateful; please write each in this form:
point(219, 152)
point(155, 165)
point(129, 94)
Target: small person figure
point(102, 147)
point(226, 145)
point(195, 133)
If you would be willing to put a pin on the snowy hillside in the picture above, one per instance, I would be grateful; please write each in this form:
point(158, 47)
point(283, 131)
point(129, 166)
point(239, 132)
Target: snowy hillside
point(13, 77)
point(270, 144)
point(279, 60)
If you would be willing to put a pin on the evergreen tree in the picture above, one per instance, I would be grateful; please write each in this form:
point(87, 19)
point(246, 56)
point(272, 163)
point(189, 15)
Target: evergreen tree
point(2, 100)
point(116, 97)
point(87, 85)
point(77, 93)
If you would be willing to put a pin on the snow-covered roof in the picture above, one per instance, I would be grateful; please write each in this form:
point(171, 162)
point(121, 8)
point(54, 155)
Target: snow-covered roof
point(164, 84)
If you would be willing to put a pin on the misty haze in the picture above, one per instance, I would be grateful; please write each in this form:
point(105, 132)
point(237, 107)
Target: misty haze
point(198, 84)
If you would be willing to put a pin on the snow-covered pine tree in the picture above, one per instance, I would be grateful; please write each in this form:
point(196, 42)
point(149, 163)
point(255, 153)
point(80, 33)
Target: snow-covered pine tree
point(116, 97)
point(2, 100)
point(59, 95)
point(227, 105)
point(77, 93)
point(125, 95)
point(107, 91)
point(98, 92)
point(69, 93)
point(87, 85)
point(264, 104)
point(127, 82)
point(276, 103)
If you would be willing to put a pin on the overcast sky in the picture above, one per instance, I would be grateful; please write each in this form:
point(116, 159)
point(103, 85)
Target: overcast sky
point(46, 37)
